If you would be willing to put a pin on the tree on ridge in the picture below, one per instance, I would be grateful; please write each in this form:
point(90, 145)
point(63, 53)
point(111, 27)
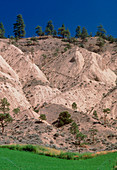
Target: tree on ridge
point(2, 30)
point(39, 30)
point(19, 27)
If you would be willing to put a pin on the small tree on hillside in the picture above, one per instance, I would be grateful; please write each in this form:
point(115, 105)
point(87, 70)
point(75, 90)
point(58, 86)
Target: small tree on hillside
point(63, 32)
point(2, 30)
point(19, 27)
point(74, 128)
point(55, 33)
point(49, 28)
point(74, 106)
point(16, 111)
point(111, 39)
point(93, 133)
point(84, 33)
point(67, 33)
point(78, 32)
point(100, 42)
point(5, 117)
point(79, 136)
point(64, 118)
point(43, 116)
point(39, 30)
point(101, 32)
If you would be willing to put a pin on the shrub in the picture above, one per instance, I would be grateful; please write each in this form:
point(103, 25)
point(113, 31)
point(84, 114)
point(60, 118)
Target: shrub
point(42, 116)
point(33, 38)
point(64, 118)
point(16, 110)
point(36, 110)
point(44, 56)
point(100, 42)
point(81, 45)
point(68, 46)
point(65, 49)
point(95, 114)
point(74, 106)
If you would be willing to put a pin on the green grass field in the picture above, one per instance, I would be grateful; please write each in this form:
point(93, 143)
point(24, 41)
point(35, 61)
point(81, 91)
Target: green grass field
point(15, 160)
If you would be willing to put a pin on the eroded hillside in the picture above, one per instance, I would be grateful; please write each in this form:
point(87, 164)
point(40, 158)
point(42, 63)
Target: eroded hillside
point(49, 73)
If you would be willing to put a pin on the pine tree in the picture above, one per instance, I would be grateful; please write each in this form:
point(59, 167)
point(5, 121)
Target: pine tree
point(19, 27)
point(84, 33)
point(101, 32)
point(4, 116)
point(2, 30)
point(49, 28)
point(111, 38)
point(39, 30)
point(67, 33)
point(78, 32)
point(61, 31)
point(55, 33)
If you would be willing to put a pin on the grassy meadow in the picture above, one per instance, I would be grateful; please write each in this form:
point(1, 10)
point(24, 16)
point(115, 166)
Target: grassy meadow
point(26, 159)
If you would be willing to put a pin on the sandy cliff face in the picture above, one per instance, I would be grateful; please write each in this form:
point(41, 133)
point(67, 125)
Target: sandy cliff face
point(11, 88)
point(76, 75)
point(83, 77)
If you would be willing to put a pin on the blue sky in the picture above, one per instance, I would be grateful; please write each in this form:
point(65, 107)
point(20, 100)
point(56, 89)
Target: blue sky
point(86, 13)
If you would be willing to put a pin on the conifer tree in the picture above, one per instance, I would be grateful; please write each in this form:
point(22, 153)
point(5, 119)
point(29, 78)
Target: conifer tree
point(78, 32)
point(84, 33)
point(101, 32)
point(2, 30)
point(55, 33)
point(61, 31)
point(67, 33)
point(49, 28)
point(39, 30)
point(19, 27)
point(5, 117)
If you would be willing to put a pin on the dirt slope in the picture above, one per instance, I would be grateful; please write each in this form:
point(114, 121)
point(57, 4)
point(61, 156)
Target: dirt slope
point(50, 75)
